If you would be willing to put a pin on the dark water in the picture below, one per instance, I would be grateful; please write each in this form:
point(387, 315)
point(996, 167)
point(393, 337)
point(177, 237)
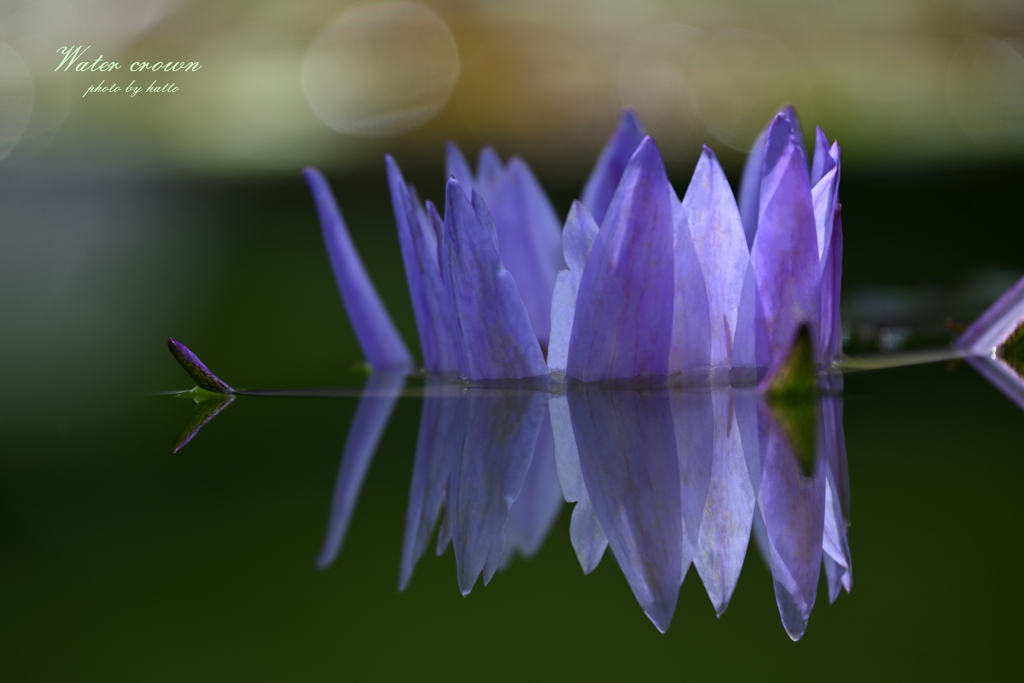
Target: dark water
point(122, 560)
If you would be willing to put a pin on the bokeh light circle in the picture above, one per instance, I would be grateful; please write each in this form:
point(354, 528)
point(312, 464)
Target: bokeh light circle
point(380, 69)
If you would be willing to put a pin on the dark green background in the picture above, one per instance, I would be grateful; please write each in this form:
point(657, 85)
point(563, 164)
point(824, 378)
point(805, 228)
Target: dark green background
point(122, 561)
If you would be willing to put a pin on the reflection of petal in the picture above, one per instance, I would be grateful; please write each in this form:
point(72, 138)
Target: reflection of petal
point(1002, 375)
point(694, 421)
point(729, 512)
point(996, 324)
point(628, 458)
point(539, 502)
point(368, 424)
point(440, 429)
point(588, 540)
point(792, 506)
point(835, 545)
point(204, 411)
point(498, 437)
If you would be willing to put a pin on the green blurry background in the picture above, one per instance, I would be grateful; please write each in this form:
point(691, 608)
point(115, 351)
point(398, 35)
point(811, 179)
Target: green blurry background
point(125, 220)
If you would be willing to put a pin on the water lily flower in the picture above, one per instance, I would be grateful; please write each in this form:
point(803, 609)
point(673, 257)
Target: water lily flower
point(638, 284)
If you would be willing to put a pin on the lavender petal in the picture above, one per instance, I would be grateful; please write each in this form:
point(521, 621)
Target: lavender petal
point(823, 161)
point(489, 172)
point(624, 308)
point(496, 339)
point(785, 252)
point(604, 179)
point(529, 239)
point(762, 157)
point(377, 335)
point(721, 246)
point(831, 344)
point(750, 189)
point(577, 240)
point(456, 165)
point(419, 255)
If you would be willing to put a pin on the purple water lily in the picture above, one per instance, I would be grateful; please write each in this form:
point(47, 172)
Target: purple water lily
point(638, 284)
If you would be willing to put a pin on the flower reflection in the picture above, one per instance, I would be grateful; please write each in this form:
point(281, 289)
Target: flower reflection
point(665, 478)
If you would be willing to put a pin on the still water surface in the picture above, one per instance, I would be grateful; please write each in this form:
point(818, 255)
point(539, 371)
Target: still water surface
point(124, 560)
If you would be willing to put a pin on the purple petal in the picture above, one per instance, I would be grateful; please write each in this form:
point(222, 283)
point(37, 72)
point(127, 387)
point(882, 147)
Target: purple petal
point(196, 369)
point(529, 239)
point(690, 355)
point(498, 438)
point(750, 340)
point(995, 325)
point(456, 165)
point(540, 500)
point(489, 172)
point(493, 328)
point(729, 512)
point(628, 458)
point(785, 252)
point(368, 424)
point(624, 308)
point(419, 255)
point(823, 161)
point(721, 246)
point(440, 427)
point(831, 344)
point(762, 158)
point(694, 420)
point(588, 540)
point(577, 240)
point(604, 179)
point(377, 335)
point(750, 189)
point(793, 509)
